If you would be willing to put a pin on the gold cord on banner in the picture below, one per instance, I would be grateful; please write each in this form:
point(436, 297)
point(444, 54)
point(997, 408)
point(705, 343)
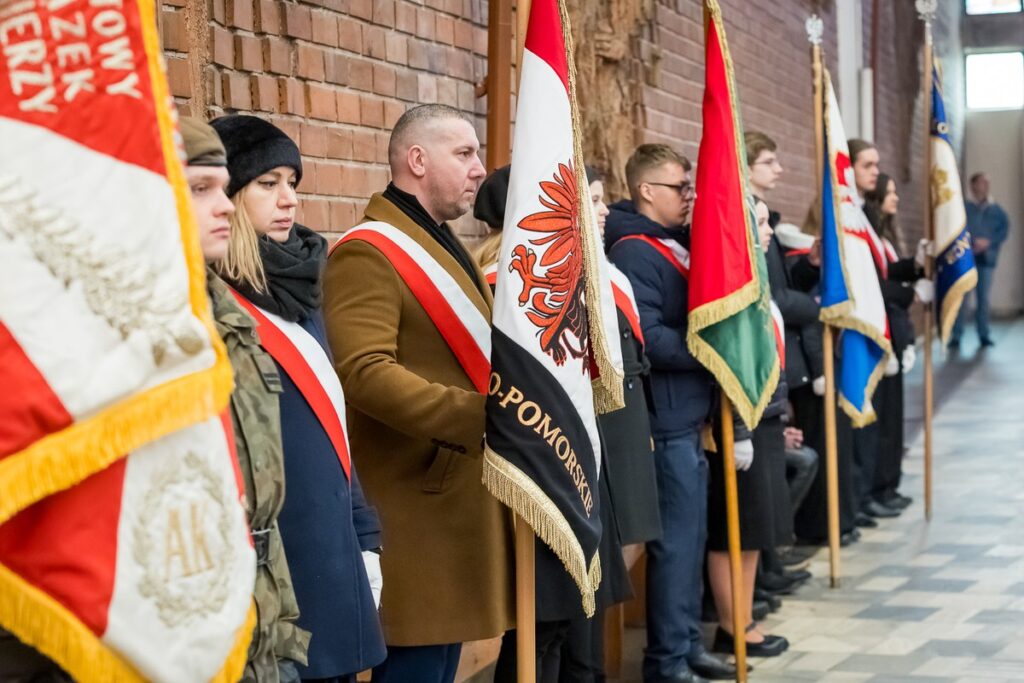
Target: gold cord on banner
point(608, 394)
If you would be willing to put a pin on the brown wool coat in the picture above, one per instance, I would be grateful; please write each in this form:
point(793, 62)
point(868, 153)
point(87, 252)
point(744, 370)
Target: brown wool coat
point(416, 426)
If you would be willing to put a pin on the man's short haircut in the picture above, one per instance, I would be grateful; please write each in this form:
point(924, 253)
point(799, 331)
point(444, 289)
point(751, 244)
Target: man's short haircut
point(975, 177)
point(413, 118)
point(857, 146)
point(647, 157)
point(756, 142)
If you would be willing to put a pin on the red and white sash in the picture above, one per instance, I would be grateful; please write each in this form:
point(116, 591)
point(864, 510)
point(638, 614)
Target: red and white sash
point(491, 274)
point(310, 368)
point(625, 300)
point(674, 253)
point(890, 251)
point(780, 334)
point(456, 317)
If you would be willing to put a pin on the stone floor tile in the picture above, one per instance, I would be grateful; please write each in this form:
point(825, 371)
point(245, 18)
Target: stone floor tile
point(945, 666)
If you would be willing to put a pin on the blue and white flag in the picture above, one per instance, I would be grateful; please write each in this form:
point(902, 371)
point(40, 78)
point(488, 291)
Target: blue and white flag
point(852, 257)
point(954, 263)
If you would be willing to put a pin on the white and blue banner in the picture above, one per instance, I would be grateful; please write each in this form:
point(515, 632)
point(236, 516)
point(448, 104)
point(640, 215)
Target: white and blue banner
point(954, 262)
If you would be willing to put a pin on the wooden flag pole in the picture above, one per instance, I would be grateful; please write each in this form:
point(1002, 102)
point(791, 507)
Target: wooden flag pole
point(926, 9)
point(526, 589)
point(499, 84)
point(814, 28)
point(526, 637)
point(831, 459)
point(732, 514)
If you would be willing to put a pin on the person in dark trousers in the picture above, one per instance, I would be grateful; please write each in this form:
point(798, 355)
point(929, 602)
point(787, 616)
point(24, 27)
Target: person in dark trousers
point(882, 485)
point(331, 535)
point(989, 226)
point(646, 241)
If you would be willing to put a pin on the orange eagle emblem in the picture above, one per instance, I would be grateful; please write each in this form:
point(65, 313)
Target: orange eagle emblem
point(555, 289)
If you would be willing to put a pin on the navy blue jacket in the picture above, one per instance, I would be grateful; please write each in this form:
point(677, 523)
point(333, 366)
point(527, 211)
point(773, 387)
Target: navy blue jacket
point(325, 524)
point(682, 390)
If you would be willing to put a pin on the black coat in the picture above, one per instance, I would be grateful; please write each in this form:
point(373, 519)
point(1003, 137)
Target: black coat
point(629, 462)
point(682, 389)
point(800, 314)
point(899, 297)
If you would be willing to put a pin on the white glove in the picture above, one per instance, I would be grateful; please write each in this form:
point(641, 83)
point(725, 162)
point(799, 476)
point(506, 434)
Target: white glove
point(892, 366)
point(925, 290)
point(743, 453)
point(925, 248)
point(371, 561)
point(909, 356)
point(819, 386)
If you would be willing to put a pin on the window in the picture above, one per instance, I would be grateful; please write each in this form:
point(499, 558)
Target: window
point(995, 80)
point(993, 6)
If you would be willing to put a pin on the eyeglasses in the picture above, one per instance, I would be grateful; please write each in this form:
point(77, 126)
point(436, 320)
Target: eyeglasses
point(684, 189)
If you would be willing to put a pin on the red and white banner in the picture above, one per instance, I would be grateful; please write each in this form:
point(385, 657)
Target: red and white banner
point(124, 552)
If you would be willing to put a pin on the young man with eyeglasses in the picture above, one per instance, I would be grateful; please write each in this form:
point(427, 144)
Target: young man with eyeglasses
point(647, 238)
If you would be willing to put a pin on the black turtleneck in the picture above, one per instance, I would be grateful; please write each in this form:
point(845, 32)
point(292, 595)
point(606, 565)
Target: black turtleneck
point(412, 208)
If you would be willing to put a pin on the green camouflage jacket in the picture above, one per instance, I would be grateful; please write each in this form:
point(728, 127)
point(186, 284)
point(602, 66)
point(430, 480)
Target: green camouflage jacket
point(256, 416)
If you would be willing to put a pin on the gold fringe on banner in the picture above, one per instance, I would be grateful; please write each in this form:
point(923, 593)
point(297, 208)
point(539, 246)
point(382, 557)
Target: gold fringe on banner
point(41, 622)
point(608, 393)
point(517, 491)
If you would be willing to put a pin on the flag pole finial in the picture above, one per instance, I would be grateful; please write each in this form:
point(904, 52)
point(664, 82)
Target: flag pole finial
point(926, 10)
point(815, 28)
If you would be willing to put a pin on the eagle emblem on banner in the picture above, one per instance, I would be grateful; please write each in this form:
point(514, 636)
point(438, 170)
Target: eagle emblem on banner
point(555, 292)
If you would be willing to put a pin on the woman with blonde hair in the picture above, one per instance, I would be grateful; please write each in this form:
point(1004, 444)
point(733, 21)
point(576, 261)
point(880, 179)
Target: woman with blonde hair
point(331, 535)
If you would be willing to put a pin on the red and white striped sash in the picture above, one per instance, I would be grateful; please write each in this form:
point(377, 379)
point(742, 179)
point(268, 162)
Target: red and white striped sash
point(461, 324)
point(625, 300)
point(672, 251)
point(780, 333)
point(310, 368)
point(491, 274)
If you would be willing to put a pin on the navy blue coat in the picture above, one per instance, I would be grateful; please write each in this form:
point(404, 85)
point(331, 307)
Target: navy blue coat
point(325, 524)
point(681, 389)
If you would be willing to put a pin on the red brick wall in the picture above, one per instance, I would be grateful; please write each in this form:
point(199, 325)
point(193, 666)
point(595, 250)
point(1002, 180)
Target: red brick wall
point(336, 74)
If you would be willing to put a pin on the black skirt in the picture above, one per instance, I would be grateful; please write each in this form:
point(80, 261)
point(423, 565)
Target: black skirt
point(756, 499)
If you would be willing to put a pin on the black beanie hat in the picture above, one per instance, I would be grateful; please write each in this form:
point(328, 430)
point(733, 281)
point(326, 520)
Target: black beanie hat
point(254, 147)
point(491, 197)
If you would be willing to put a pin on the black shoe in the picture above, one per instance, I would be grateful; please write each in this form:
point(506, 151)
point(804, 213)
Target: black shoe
point(760, 610)
point(953, 345)
point(777, 584)
point(865, 522)
point(895, 501)
point(797, 556)
point(875, 509)
point(711, 667)
point(684, 676)
point(774, 602)
point(772, 646)
point(849, 538)
point(987, 343)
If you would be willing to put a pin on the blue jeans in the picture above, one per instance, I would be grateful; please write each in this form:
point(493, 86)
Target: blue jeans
point(981, 311)
point(675, 561)
point(419, 664)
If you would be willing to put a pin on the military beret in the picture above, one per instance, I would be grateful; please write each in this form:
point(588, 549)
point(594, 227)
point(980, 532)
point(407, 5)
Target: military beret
point(203, 146)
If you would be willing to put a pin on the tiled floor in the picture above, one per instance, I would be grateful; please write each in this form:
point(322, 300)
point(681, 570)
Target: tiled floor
point(940, 601)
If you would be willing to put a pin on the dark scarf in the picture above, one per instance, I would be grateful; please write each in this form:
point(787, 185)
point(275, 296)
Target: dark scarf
point(442, 234)
point(293, 271)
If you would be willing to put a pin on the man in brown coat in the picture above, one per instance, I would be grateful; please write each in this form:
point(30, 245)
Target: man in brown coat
point(416, 418)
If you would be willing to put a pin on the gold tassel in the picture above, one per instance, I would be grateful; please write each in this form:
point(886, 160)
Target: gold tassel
point(517, 491)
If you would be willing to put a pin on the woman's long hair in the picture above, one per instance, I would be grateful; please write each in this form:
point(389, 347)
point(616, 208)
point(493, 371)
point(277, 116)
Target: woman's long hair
point(243, 263)
point(886, 225)
point(486, 253)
